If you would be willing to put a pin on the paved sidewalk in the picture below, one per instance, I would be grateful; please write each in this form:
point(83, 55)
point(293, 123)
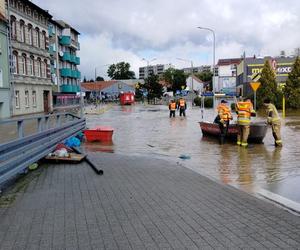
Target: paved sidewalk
point(140, 203)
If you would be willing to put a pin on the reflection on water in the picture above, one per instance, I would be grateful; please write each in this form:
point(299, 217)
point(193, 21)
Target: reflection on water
point(105, 147)
point(148, 130)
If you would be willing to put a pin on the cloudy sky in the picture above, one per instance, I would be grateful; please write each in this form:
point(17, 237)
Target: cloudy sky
point(129, 30)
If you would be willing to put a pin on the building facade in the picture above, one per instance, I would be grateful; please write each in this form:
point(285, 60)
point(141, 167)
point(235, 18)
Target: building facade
point(4, 65)
point(158, 69)
point(225, 75)
point(250, 65)
point(31, 85)
point(65, 76)
point(197, 69)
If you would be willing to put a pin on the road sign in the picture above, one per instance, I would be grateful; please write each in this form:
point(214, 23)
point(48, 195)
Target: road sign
point(255, 85)
point(255, 77)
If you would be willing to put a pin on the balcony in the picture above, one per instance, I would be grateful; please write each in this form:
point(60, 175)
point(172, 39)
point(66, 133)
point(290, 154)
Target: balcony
point(66, 57)
point(66, 88)
point(77, 60)
point(65, 40)
point(52, 49)
point(51, 31)
point(65, 72)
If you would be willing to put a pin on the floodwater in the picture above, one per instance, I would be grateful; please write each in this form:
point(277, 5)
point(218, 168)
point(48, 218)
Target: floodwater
point(148, 130)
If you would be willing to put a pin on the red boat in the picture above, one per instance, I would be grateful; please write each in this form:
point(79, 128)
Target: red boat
point(100, 133)
point(127, 98)
point(257, 131)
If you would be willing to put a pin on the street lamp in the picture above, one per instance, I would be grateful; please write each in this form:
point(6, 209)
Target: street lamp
point(186, 60)
point(214, 53)
point(148, 62)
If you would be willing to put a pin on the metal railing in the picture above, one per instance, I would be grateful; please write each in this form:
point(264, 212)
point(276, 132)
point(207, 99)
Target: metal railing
point(16, 155)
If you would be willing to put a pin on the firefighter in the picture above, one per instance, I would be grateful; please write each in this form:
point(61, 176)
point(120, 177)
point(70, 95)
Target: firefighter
point(181, 106)
point(274, 120)
point(244, 110)
point(172, 108)
point(224, 117)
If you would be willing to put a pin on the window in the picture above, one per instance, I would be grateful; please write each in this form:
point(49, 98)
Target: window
point(23, 65)
point(17, 99)
point(44, 68)
point(22, 32)
point(39, 67)
point(31, 66)
point(26, 98)
point(34, 98)
point(13, 26)
point(30, 34)
point(37, 37)
point(43, 40)
point(15, 63)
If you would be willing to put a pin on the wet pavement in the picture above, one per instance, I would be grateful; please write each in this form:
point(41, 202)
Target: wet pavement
point(146, 130)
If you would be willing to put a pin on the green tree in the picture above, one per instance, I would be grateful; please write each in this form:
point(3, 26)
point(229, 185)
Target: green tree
point(176, 78)
point(84, 79)
point(154, 88)
point(99, 79)
point(268, 85)
point(291, 90)
point(120, 71)
point(206, 76)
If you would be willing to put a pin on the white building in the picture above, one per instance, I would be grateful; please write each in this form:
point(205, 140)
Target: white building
point(194, 83)
point(30, 66)
point(158, 69)
point(225, 75)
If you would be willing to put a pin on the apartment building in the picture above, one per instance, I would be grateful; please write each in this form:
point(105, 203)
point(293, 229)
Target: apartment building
point(30, 60)
point(158, 69)
point(4, 65)
point(65, 76)
point(197, 69)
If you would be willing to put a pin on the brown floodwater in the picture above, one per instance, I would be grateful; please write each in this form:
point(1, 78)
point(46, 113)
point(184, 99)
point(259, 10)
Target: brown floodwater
point(148, 130)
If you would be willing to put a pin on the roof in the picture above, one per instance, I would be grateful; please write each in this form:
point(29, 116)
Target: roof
point(97, 86)
point(62, 24)
point(229, 61)
point(197, 79)
point(31, 4)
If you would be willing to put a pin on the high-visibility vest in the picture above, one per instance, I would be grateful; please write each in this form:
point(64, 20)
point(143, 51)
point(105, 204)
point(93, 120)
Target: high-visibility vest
point(274, 118)
point(173, 105)
point(244, 110)
point(181, 103)
point(224, 112)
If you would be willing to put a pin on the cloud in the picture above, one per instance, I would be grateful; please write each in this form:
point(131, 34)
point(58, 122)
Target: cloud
point(133, 29)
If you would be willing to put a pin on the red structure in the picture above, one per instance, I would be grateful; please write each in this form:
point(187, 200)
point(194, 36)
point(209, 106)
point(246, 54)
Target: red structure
point(126, 98)
point(100, 133)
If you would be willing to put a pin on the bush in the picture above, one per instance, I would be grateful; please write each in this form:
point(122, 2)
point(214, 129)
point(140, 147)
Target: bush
point(208, 102)
point(197, 101)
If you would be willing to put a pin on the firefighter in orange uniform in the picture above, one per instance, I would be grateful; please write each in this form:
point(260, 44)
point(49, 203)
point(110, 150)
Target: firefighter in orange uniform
point(244, 111)
point(224, 116)
point(181, 106)
point(172, 108)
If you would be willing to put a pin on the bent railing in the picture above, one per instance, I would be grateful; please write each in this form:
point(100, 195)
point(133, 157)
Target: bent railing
point(17, 154)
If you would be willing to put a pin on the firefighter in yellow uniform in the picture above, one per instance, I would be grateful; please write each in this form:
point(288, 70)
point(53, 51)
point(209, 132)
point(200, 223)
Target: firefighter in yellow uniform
point(274, 120)
point(244, 112)
point(172, 108)
point(181, 107)
point(225, 116)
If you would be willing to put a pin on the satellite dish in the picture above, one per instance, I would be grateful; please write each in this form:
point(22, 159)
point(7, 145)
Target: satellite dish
point(61, 53)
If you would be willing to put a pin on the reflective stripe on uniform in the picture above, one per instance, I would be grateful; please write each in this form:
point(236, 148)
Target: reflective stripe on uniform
point(244, 144)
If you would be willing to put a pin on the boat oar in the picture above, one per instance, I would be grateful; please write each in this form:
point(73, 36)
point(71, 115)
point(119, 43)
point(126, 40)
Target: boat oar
point(89, 162)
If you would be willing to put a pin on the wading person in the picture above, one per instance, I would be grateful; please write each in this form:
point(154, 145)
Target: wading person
point(273, 120)
point(172, 108)
point(244, 112)
point(181, 106)
point(224, 118)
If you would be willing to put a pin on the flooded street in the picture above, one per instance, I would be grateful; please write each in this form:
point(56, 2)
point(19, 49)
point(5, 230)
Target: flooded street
point(148, 130)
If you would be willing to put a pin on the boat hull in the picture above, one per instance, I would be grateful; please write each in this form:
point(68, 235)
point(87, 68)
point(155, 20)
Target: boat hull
point(257, 131)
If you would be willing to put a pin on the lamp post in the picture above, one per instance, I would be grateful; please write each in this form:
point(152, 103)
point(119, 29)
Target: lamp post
point(214, 54)
point(192, 66)
point(148, 62)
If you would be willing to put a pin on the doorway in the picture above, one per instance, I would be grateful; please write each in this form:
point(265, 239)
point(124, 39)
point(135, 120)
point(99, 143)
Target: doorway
point(46, 101)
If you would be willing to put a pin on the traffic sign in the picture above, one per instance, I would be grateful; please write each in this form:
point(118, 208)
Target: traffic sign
point(255, 77)
point(255, 85)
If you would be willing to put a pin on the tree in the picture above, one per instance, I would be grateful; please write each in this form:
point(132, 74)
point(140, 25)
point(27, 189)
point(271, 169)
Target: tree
point(84, 79)
point(176, 78)
point(291, 90)
point(99, 78)
point(206, 76)
point(120, 71)
point(268, 85)
point(154, 88)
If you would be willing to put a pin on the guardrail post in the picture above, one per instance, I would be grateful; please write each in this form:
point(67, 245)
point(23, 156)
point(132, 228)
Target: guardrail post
point(40, 125)
point(20, 129)
point(58, 120)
